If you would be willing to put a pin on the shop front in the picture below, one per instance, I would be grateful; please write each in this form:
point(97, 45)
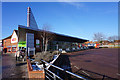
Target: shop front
point(21, 45)
point(10, 44)
point(8, 48)
point(14, 48)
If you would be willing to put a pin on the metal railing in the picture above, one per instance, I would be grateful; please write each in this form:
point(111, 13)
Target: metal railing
point(54, 76)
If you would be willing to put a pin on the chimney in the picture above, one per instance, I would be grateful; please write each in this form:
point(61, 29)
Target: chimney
point(28, 16)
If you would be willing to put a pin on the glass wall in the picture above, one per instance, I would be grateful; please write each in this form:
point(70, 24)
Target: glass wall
point(61, 45)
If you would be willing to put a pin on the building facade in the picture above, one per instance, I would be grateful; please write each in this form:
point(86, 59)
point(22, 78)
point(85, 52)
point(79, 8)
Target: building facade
point(1, 46)
point(29, 37)
point(10, 44)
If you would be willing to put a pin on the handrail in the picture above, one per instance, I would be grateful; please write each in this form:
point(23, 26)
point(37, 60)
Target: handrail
point(53, 61)
point(53, 74)
point(65, 70)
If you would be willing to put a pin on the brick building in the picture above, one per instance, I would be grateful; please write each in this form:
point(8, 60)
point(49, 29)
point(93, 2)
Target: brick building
point(10, 43)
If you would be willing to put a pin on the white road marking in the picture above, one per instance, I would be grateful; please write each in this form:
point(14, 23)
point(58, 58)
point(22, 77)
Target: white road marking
point(82, 71)
point(118, 74)
point(76, 67)
point(85, 73)
point(12, 74)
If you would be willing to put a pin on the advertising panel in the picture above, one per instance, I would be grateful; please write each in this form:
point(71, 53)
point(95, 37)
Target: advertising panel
point(14, 38)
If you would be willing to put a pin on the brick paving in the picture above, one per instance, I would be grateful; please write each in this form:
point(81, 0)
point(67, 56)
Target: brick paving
point(12, 68)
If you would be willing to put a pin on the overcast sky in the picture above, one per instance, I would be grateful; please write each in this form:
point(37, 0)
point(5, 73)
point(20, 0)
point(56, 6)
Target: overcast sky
point(77, 19)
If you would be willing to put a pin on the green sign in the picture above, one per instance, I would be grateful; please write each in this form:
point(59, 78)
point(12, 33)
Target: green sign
point(22, 44)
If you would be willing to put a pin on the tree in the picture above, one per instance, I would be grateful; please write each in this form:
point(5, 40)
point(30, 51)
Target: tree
point(113, 38)
point(99, 36)
point(110, 39)
point(46, 36)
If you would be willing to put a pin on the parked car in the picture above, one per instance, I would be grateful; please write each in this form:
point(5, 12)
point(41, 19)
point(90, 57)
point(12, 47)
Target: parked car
point(60, 50)
point(91, 46)
point(82, 48)
point(67, 49)
point(73, 49)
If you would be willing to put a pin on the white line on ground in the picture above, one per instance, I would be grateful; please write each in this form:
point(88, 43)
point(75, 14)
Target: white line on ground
point(76, 67)
point(82, 71)
point(85, 73)
point(118, 74)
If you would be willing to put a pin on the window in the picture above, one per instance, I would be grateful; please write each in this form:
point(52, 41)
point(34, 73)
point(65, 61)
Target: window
point(37, 43)
point(9, 49)
point(13, 49)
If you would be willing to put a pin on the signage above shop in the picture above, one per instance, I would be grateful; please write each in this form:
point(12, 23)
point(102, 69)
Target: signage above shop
point(14, 38)
point(22, 44)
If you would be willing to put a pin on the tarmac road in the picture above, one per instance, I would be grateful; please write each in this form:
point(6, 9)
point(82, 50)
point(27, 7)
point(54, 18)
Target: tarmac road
point(103, 61)
point(0, 65)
